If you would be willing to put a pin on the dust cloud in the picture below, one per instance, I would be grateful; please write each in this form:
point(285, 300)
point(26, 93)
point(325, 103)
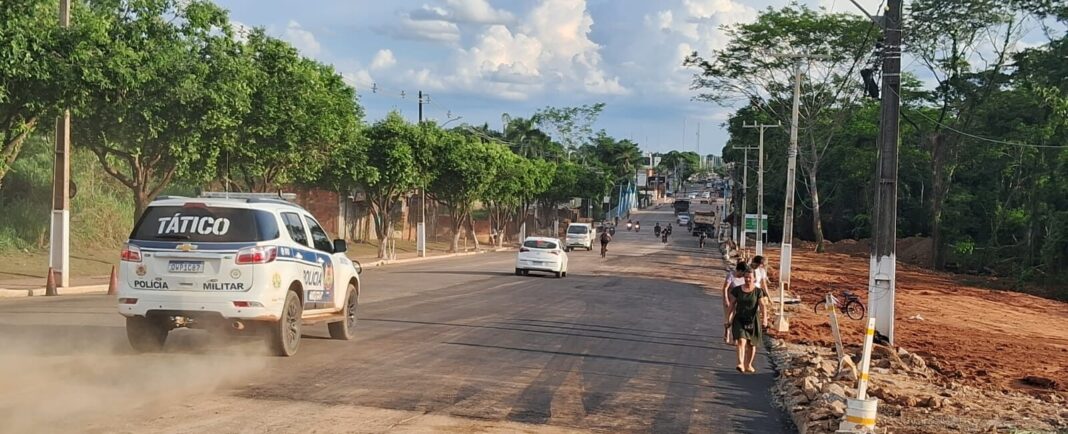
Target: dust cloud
point(56, 379)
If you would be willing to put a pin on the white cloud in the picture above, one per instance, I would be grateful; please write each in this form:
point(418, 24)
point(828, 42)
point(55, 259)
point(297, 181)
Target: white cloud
point(477, 11)
point(302, 39)
point(425, 29)
point(423, 78)
point(383, 59)
point(549, 49)
point(360, 79)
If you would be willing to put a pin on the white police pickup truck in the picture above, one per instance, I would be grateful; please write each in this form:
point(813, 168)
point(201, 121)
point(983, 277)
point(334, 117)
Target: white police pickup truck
point(252, 264)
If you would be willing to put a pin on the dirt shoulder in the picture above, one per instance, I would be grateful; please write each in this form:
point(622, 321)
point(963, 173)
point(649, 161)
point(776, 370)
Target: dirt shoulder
point(967, 358)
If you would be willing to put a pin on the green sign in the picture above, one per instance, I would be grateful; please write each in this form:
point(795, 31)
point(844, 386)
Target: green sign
point(750, 223)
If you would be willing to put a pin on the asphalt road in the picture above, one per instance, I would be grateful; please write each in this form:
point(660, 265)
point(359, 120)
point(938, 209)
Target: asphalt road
point(459, 338)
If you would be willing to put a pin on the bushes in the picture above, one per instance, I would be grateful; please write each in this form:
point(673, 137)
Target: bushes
point(100, 211)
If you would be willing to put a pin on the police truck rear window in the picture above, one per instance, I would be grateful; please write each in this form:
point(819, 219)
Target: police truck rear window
point(200, 223)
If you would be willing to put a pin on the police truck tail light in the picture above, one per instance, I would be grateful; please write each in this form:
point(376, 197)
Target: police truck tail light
point(131, 253)
point(257, 255)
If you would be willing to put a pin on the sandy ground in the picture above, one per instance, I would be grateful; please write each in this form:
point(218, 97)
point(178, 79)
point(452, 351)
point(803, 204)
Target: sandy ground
point(982, 337)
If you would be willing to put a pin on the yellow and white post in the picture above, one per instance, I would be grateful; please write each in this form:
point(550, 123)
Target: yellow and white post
point(861, 412)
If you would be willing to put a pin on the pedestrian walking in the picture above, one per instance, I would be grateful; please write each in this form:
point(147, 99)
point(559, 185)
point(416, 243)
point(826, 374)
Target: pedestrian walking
point(748, 318)
point(760, 274)
point(734, 278)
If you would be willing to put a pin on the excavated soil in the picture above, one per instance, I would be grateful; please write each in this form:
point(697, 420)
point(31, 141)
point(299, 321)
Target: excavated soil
point(986, 338)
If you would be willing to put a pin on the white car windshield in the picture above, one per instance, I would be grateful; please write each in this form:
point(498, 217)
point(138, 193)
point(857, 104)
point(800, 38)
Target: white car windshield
point(581, 230)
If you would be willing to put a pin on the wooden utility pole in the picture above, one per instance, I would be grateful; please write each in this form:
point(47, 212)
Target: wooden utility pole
point(59, 233)
point(881, 277)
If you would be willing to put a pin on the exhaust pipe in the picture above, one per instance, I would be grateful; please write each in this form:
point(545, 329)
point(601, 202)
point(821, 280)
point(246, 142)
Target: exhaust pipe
point(238, 325)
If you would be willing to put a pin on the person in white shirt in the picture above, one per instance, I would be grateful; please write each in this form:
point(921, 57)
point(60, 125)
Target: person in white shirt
point(760, 274)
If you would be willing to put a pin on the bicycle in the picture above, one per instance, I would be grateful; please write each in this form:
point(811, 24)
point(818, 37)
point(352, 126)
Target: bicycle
point(849, 304)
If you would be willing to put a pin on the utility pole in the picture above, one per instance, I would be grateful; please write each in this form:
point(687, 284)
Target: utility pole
point(760, 187)
point(420, 232)
point(745, 197)
point(785, 257)
point(701, 161)
point(882, 274)
point(59, 233)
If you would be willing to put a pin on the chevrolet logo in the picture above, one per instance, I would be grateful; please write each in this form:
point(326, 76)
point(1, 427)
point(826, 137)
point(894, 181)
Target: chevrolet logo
point(186, 247)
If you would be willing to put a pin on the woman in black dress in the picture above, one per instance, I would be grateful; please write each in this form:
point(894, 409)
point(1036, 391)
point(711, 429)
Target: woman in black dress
point(748, 316)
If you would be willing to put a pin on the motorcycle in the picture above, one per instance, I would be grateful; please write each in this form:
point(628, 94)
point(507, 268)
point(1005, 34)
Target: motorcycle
point(637, 227)
point(629, 227)
point(663, 237)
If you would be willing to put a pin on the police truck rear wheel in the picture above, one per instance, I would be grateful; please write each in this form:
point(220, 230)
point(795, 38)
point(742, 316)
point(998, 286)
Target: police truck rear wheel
point(284, 336)
point(145, 335)
point(344, 330)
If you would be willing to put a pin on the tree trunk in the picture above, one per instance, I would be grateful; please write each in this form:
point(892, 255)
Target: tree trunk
point(456, 225)
point(471, 228)
point(141, 200)
point(12, 148)
point(383, 227)
point(938, 194)
point(817, 221)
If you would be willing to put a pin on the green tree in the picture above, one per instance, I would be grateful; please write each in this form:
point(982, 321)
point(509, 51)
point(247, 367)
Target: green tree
point(466, 168)
point(518, 181)
point(572, 127)
point(303, 110)
point(747, 70)
point(168, 91)
point(682, 163)
point(948, 36)
point(528, 141)
point(36, 70)
point(384, 168)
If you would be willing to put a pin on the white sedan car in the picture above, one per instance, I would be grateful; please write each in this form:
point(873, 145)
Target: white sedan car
point(541, 254)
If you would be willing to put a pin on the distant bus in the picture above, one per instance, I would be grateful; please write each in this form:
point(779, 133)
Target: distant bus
point(682, 206)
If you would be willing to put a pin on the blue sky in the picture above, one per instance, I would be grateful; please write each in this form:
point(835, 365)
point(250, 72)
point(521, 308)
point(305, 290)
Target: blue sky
point(480, 58)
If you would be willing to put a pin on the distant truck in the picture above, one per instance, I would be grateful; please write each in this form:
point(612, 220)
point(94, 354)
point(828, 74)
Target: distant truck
point(682, 206)
point(704, 219)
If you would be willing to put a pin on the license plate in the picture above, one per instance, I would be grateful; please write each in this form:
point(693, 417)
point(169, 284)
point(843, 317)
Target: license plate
point(186, 266)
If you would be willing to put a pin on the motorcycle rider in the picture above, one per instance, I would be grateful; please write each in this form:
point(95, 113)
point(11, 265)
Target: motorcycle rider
point(657, 229)
point(637, 226)
point(701, 241)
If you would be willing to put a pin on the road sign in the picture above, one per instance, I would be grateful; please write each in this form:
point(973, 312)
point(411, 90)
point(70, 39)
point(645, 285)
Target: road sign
point(750, 223)
point(643, 178)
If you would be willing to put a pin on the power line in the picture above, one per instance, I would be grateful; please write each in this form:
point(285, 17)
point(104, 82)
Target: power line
point(984, 139)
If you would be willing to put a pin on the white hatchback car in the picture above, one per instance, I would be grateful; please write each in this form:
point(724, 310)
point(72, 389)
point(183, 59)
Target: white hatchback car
point(246, 265)
point(541, 254)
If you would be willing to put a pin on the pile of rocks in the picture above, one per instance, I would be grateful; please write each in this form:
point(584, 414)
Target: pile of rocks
point(912, 396)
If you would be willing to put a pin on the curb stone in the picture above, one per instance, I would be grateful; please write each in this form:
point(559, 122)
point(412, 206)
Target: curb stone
point(103, 289)
point(384, 262)
point(70, 290)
